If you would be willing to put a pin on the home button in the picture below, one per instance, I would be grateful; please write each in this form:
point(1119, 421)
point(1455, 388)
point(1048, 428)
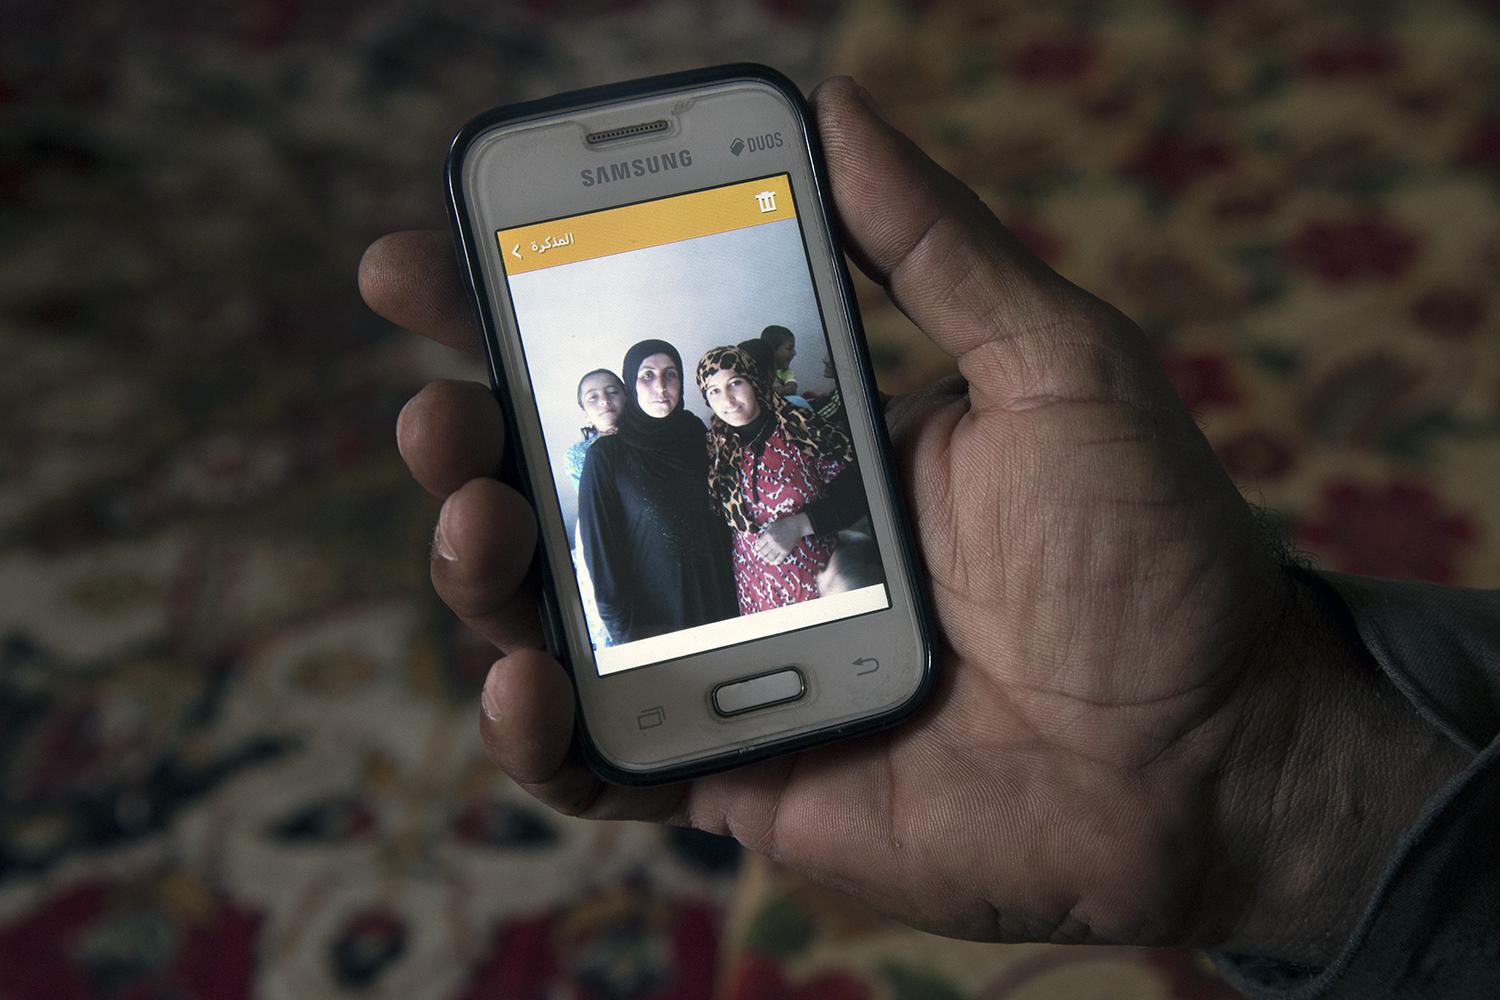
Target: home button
point(774, 688)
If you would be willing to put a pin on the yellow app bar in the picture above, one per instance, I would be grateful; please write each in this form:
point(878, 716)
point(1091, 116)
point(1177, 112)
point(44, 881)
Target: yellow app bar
point(649, 224)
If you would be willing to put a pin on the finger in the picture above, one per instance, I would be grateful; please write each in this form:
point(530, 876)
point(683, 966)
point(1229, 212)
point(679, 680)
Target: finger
point(412, 279)
point(527, 726)
point(1021, 332)
point(449, 433)
point(480, 556)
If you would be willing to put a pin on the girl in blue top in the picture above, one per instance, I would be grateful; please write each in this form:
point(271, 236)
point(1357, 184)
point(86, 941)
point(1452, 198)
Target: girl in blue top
point(601, 397)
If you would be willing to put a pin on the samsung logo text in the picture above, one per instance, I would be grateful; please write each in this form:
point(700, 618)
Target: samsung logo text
point(638, 167)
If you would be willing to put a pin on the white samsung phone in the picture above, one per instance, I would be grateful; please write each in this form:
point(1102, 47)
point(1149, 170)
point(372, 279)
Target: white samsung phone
point(671, 331)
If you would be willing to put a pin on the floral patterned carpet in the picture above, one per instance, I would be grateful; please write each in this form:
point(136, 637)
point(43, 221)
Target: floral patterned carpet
point(237, 745)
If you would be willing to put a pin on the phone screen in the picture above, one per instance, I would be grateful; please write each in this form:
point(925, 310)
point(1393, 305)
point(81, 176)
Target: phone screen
point(694, 425)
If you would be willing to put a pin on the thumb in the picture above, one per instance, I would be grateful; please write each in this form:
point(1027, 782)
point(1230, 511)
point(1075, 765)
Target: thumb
point(1023, 335)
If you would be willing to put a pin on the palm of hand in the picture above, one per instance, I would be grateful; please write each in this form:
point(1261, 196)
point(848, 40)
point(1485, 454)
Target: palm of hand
point(1082, 699)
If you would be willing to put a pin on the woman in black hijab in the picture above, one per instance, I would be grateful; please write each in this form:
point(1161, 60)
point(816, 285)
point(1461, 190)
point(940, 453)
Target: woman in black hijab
point(655, 546)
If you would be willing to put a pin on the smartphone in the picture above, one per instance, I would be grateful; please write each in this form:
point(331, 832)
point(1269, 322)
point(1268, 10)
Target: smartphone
point(671, 331)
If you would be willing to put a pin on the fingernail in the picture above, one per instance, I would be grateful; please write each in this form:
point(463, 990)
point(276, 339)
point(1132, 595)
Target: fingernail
point(440, 546)
point(487, 702)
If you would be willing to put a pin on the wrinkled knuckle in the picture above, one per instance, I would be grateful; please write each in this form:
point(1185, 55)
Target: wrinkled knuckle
point(1070, 359)
point(941, 256)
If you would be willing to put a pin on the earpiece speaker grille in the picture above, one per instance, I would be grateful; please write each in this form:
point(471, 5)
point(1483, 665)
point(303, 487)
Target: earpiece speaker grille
point(629, 131)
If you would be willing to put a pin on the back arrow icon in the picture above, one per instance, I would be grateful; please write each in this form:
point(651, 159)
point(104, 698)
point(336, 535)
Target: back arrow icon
point(869, 663)
point(515, 251)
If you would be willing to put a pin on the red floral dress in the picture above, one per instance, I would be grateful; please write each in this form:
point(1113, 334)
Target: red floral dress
point(784, 483)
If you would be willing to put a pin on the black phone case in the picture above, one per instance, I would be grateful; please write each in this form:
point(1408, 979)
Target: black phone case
point(513, 469)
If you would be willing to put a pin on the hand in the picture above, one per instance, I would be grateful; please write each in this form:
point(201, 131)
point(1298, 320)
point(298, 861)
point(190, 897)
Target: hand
point(776, 540)
point(1145, 730)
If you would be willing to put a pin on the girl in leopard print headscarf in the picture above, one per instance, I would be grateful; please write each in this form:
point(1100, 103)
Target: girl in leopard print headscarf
point(784, 479)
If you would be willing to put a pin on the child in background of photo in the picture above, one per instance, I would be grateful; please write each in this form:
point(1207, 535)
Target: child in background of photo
point(783, 345)
point(765, 360)
point(784, 480)
point(829, 405)
point(601, 397)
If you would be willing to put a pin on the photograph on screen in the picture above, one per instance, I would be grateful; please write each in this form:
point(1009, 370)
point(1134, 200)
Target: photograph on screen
point(693, 421)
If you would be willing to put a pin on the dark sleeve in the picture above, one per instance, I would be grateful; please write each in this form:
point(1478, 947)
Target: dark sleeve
point(842, 502)
point(600, 531)
point(1430, 931)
